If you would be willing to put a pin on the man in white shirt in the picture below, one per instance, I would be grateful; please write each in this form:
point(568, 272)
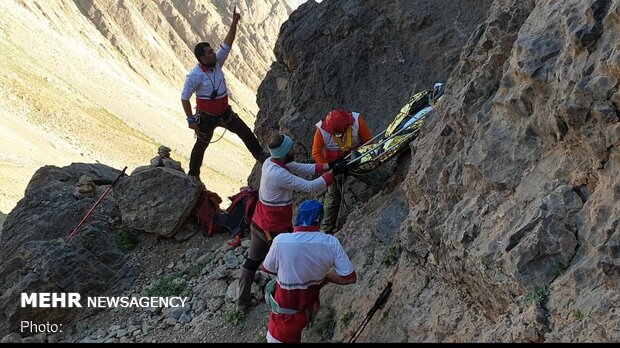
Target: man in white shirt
point(303, 263)
point(274, 210)
point(207, 81)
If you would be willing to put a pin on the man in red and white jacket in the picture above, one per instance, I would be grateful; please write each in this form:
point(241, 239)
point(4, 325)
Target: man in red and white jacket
point(303, 263)
point(207, 81)
point(340, 132)
point(274, 211)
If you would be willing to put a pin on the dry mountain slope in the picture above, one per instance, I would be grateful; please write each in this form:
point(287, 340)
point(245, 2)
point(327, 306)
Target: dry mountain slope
point(100, 81)
point(502, 226)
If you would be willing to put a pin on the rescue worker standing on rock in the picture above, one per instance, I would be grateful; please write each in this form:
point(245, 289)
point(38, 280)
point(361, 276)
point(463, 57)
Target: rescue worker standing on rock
point(207, 81)
point(336, 135)
point(302, 262)
point(274, 210)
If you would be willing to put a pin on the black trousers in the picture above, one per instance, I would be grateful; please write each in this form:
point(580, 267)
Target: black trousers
point(229, 120)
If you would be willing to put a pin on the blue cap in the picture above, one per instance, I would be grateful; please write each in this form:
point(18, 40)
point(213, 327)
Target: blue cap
point(310, 213)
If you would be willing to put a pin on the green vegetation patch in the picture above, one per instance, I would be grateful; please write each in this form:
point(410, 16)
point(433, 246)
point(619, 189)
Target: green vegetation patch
point(126, 240)
point(538, 295)
point(345, 319)
point(578, 315)
point(235, 316)
point(325, 328)
point(88, 241)
point(168, 286)
point(391, 255)
point(196, 270)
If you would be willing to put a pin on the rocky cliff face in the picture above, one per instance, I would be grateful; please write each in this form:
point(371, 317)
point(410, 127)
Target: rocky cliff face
point(37, 257)
point(506, 225)
point(348, 54)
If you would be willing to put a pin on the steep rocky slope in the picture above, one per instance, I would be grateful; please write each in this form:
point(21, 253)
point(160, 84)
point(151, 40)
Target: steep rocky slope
point(348, 54)
point(365, 56)
point(100, 80)
point(123, 249)
point(117, 252)
point(506, 226)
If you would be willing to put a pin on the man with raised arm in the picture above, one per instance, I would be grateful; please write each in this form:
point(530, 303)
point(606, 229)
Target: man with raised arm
point(207, 81)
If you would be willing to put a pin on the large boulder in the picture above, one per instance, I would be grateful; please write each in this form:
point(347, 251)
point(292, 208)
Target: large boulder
point(157, 200)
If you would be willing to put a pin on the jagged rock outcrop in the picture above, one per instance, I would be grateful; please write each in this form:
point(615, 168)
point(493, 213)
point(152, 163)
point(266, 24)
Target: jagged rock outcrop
point(36, 256)
point(511, 199)
point(366, 56)
point(347, 54)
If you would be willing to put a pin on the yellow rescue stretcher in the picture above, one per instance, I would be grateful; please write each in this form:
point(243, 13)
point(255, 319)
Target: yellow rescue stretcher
point(397, 136)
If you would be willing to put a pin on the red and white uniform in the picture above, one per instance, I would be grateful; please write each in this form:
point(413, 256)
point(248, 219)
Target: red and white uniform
point(274, 210)
point(203, 81)
point(301, 260)
point(332, 151)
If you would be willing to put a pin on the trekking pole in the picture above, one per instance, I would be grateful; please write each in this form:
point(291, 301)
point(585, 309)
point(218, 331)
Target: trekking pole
point(378, 304)
point(90, 212)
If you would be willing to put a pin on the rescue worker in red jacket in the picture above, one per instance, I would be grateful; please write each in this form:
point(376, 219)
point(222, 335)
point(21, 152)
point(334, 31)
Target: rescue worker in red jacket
point(336, 135)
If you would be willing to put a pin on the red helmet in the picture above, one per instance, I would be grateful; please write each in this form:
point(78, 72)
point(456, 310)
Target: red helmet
point(338, 121)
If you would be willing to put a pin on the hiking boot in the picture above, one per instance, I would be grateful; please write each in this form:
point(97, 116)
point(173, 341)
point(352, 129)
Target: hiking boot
point(246, 305)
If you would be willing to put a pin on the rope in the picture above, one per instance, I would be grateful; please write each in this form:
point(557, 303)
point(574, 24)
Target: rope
point(211, 142)
point(221, 136)
point(340, 188)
